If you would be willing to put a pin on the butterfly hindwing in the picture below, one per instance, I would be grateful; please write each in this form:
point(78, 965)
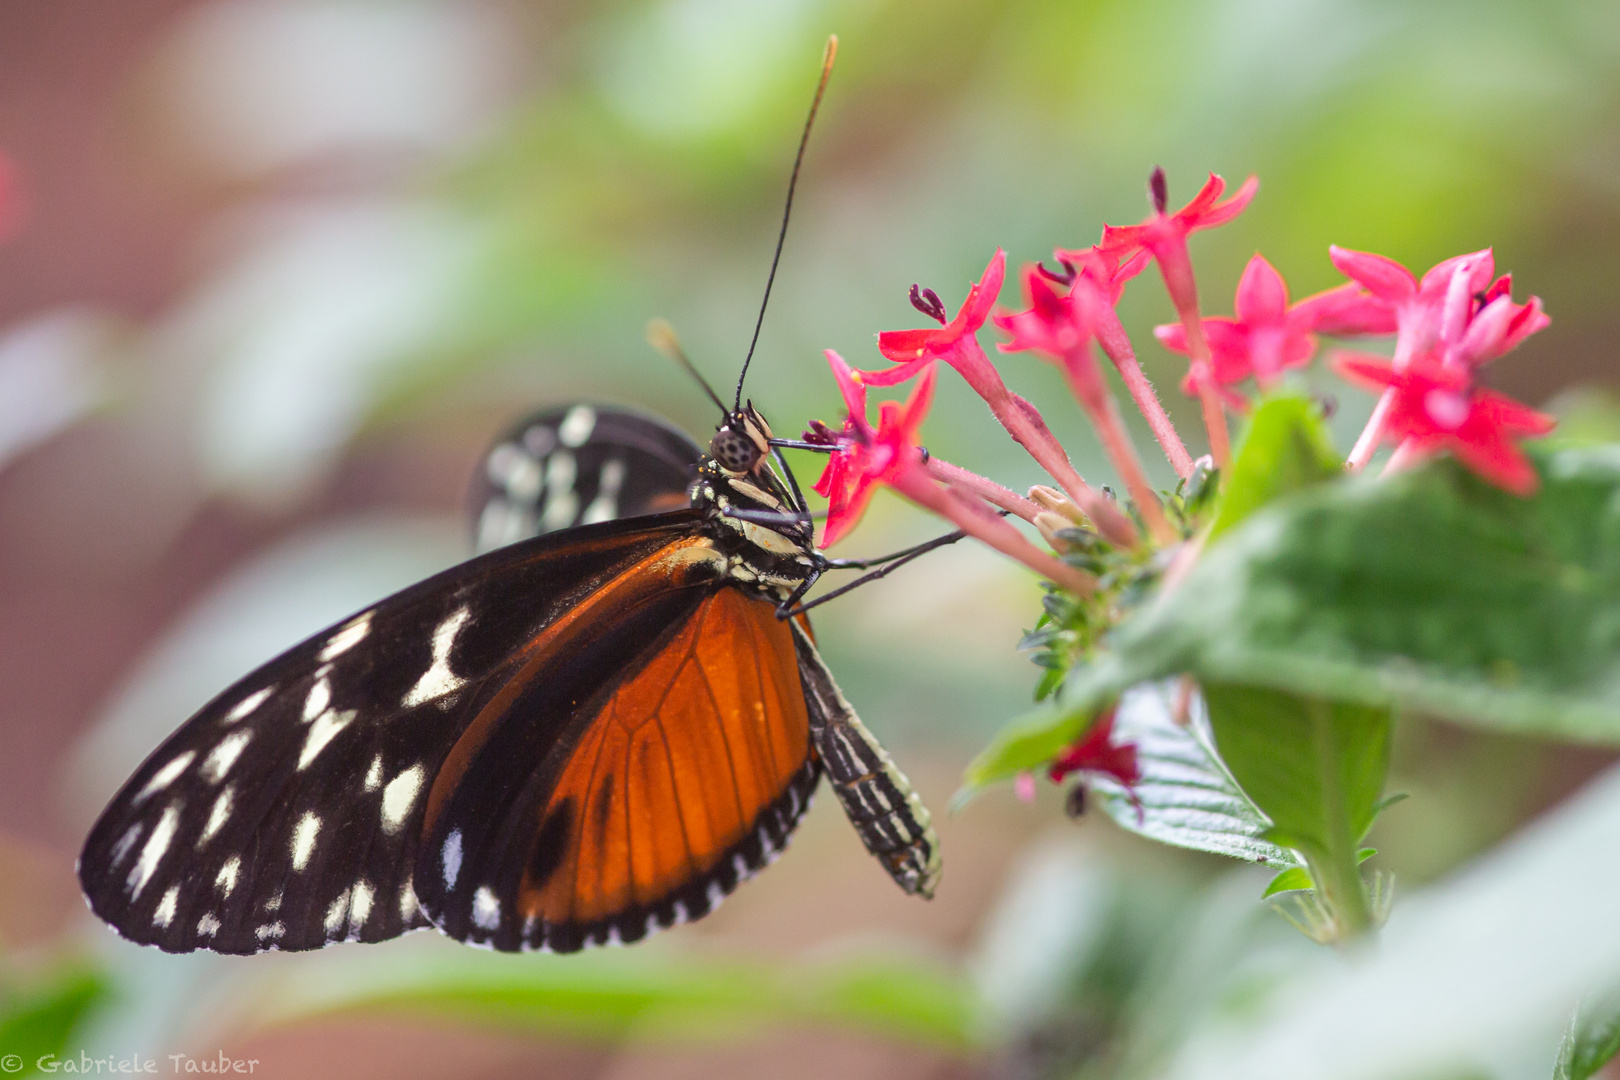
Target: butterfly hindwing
point(681, 770)
point(287, 812)
point(578, 465)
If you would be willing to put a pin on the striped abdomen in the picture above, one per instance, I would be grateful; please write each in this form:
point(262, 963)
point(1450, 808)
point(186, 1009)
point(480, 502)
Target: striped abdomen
point(879, 800)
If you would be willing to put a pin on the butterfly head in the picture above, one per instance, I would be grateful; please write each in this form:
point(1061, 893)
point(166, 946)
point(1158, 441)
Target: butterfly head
point(741, 442)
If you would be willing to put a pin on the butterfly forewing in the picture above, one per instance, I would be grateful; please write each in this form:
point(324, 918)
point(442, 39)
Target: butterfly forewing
point(578, 465)
point(675, 777)
point(287, 812)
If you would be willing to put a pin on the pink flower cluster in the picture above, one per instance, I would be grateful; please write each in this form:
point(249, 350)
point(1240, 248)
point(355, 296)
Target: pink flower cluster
point(1458, 318)
point(1446, 326)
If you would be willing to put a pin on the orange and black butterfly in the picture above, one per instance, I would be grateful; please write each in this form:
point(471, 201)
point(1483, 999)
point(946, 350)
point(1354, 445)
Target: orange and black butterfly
point(592, 731)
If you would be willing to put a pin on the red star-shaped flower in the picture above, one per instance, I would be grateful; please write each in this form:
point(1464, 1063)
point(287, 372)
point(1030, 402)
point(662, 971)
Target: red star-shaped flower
point(1054, 324)
point(867, 458)
point(1267, 336)
point(1435, 406)
point(1264, 339)
point(1096, 752)
point(1165, 236)
point(1456, 312)
point(954, 342)
point(1108, 272)
point(1163, 233)
point(1416, 307)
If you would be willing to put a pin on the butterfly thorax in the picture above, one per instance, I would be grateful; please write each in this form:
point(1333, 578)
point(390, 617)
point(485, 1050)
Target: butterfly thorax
point(750, 516)
point(771, 557)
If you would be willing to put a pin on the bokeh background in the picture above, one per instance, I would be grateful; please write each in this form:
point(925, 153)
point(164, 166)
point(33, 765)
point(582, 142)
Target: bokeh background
point(277, 271)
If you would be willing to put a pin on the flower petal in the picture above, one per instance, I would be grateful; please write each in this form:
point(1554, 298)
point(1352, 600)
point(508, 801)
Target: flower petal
point(916, 410)
point(1384, 278)
point(1262, 295)
point(1212, 190)
point(981, 297)
point(1495, 458)
point(1172, 336)
point(1530, 319)
point(1231, 208)
point(1502, 411)
point(850, 386)
point(904, 345)
point(1459, 297)
point(897, 374)
point(1345, 311)
point(1438, 278)
point(1365, 369)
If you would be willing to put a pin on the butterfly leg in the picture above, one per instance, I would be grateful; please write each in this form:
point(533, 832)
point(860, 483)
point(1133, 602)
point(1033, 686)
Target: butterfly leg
point(882, 805)
point(786, 609)
point(886, 564)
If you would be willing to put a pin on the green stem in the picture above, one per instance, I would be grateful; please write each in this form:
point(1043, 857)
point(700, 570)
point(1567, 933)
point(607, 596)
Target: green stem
point(1334, 868)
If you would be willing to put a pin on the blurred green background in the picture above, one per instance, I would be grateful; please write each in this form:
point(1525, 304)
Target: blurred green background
point(283, 267)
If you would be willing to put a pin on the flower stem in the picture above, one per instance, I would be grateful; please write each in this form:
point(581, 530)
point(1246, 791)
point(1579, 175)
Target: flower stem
point(986, 489)
point(1112, 337)
point(1334, 866)
point(979, 523)
point(1367, 441)
point(1099, 404)
point(1024, 423)
point(1178, 281)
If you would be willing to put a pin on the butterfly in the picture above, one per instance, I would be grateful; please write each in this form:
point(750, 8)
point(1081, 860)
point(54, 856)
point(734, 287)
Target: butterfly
point(595, 729)
point(576, 738)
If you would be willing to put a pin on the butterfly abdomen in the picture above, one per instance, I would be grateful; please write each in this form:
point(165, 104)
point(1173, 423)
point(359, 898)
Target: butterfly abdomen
point(880, 802)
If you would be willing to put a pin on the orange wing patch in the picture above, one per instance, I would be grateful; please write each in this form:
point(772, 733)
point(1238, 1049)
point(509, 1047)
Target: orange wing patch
point(679, 766)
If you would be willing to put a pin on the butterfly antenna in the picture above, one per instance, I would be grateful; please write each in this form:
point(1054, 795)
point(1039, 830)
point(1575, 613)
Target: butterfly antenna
point(661, 336)
point(804, 140)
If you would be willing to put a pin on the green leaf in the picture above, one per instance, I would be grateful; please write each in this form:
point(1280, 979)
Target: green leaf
point(1430, 591)
point(1390, 800)
point(39, 1020)
point(1315, 768)
point(1285, 448)
point(652, 989)
point(1368, 852)
point(1184, 797)
point(1026, 743)
point(1592, 1040)
point(1294, 878)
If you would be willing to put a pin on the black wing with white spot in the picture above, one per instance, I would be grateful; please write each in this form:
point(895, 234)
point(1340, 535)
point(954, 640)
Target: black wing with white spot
point(286, 814)
point(578, 465)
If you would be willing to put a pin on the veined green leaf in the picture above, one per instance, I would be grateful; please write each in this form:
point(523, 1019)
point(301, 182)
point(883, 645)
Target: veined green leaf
point(1315, 768)
point(1430, 591)
point(1185, 797)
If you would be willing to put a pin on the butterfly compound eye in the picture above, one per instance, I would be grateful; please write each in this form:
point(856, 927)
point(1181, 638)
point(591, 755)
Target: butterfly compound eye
point(733, 451)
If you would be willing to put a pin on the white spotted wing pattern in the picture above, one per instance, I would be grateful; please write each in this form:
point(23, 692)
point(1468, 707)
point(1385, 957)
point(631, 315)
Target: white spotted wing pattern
point(579, 465)
point(287, 812)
